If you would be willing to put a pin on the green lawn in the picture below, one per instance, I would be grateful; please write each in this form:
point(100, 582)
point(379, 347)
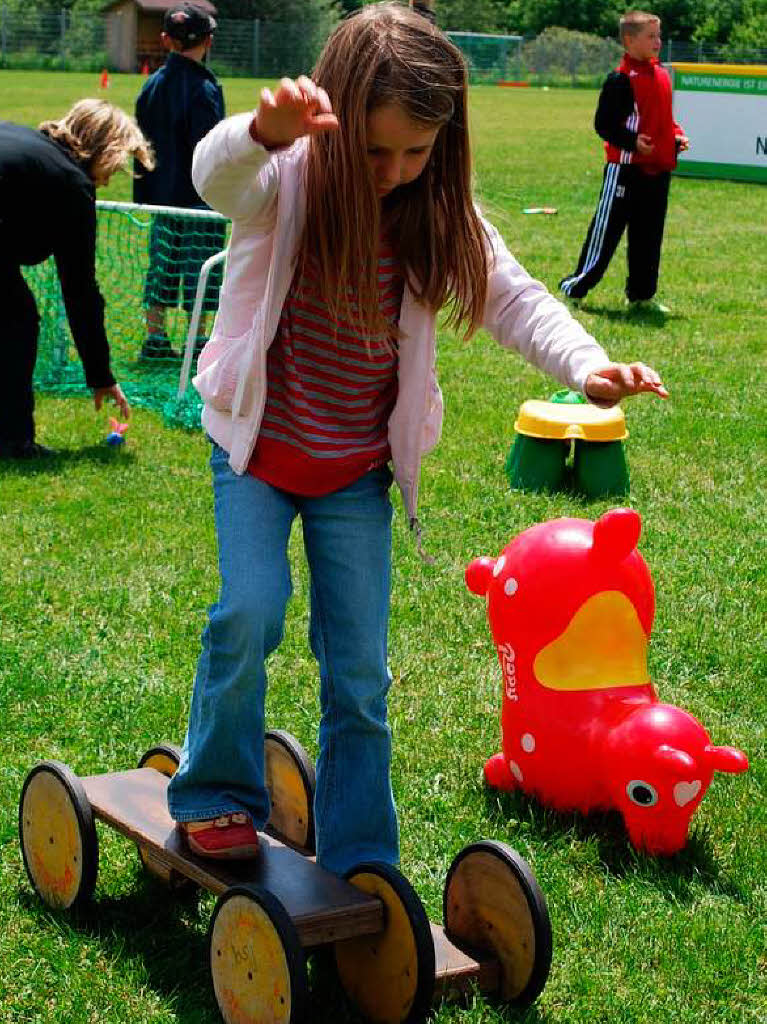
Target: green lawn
point(109, 565)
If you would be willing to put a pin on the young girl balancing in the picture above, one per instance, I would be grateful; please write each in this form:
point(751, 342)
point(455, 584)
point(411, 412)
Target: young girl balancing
point(352, 224)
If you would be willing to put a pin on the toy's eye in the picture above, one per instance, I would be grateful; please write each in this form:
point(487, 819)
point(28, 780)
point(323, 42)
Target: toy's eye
point(641, 793)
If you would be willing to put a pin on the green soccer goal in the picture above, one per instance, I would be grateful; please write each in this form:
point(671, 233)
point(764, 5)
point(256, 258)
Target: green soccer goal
point(491, 58)
point(159, 270)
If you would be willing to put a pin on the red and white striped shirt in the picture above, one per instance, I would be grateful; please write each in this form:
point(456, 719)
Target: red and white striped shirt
point(330, 390)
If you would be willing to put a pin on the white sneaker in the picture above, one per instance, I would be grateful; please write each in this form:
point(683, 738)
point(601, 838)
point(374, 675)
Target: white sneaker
point(647, 306)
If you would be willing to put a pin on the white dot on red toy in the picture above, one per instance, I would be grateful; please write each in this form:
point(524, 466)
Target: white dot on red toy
point(515, 770)
point(510, 586)
point(528, 743)
point(498, 567)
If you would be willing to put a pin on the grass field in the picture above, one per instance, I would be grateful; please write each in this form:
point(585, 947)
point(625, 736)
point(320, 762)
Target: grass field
point(108, 566)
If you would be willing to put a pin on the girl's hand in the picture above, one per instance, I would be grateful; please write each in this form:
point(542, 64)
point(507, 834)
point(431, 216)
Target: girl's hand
point(294, 109)
point(615, 381)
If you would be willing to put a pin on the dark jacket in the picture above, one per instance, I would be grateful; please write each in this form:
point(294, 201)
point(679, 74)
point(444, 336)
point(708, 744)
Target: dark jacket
point(177, 107)
point(48, 208)
point(636, 100)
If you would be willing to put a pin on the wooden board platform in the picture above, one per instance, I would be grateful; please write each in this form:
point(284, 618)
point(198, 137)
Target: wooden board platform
point(323, 907)
point(456, 972)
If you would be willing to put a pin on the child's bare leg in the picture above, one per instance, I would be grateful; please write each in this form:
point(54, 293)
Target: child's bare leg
point(155, 322)
point(156, 344)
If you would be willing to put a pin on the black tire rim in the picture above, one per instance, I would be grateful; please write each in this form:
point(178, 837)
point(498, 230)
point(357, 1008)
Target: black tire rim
point(288, 936)
point(536, 902)
point(305, 768)
point(421, 929)
point(86, 826)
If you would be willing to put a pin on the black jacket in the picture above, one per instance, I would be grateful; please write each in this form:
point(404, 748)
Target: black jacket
point(48, 208)
point(616, 104)
point(177, 107)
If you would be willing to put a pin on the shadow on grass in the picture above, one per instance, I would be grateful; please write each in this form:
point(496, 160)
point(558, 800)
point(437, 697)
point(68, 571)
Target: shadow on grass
point(166, 933)
point(678, 876)
point(96, 454)
point(645, 317)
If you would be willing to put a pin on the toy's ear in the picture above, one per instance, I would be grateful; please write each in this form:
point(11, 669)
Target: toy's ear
point(726, 759)
point(478, 574)
point(675, 762)
point(616, 533)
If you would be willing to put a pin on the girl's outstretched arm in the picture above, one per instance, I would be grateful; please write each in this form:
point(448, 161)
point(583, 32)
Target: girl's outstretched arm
point(232, 168)
point(520, 313)
point(233, 174)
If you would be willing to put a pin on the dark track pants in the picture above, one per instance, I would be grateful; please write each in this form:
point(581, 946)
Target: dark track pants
point(628, 198)
point(18, 344)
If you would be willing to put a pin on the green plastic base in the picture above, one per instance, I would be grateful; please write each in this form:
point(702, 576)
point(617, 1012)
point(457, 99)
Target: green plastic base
point(537, 465)
point(598, 468)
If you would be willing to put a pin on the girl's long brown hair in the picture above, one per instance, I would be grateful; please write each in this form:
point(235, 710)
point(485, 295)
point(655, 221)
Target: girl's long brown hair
point(387, 54)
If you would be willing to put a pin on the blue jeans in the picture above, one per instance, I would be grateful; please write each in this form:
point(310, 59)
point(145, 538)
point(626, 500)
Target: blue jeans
point(347, 538)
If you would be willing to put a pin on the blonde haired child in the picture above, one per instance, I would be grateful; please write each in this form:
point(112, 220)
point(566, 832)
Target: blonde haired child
point(101, 137)
point(48, 208)
point(352, 224)
point(641, 141)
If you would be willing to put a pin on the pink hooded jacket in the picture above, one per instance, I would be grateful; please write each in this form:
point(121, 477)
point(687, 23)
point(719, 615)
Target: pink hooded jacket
point(263, 195)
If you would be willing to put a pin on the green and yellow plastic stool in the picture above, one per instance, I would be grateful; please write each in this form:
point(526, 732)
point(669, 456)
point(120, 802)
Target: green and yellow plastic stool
point(569, 443)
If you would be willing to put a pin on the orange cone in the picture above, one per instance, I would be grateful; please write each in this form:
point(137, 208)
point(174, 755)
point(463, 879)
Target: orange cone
point(105, 79)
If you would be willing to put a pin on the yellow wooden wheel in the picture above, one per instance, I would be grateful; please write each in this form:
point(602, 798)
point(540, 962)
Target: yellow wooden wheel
point(492, 903)
point(58, 836)
point(389, 976)
point(256, 961)
point(290, 780)
point(165, 759)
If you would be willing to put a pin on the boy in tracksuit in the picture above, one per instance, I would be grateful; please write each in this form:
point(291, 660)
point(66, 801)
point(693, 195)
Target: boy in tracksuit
point(178, 106)
point(642, 141)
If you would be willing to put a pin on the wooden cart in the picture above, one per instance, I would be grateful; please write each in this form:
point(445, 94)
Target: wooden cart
point(393, 964)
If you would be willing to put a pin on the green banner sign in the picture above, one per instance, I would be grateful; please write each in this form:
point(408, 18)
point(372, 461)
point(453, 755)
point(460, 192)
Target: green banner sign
point(712, 81)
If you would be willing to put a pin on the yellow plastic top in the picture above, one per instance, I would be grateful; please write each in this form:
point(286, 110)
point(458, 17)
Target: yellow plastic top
point(561, 421)
point(723, 69)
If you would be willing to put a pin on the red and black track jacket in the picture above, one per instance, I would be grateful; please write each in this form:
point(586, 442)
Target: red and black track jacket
point(636, 100)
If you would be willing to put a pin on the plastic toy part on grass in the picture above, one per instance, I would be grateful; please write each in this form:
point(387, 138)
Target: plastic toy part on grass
point(549, 433)
point(117, 432)
point(570, 605)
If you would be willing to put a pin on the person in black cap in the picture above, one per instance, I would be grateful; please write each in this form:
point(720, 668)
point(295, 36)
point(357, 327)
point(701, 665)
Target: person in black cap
point(177, 107)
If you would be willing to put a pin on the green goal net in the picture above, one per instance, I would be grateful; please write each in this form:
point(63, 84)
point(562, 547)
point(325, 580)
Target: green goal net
point(490, 58)
point(159, 270)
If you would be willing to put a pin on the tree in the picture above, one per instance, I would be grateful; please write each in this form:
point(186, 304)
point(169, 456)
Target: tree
point(599, 17)
point(751, 33)
point(469, 15)
point(720, 21)
point(277, 10)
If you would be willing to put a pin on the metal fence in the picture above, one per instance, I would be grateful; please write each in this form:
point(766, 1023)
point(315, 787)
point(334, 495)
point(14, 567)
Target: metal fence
point(57, 40)
point(32, 37)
